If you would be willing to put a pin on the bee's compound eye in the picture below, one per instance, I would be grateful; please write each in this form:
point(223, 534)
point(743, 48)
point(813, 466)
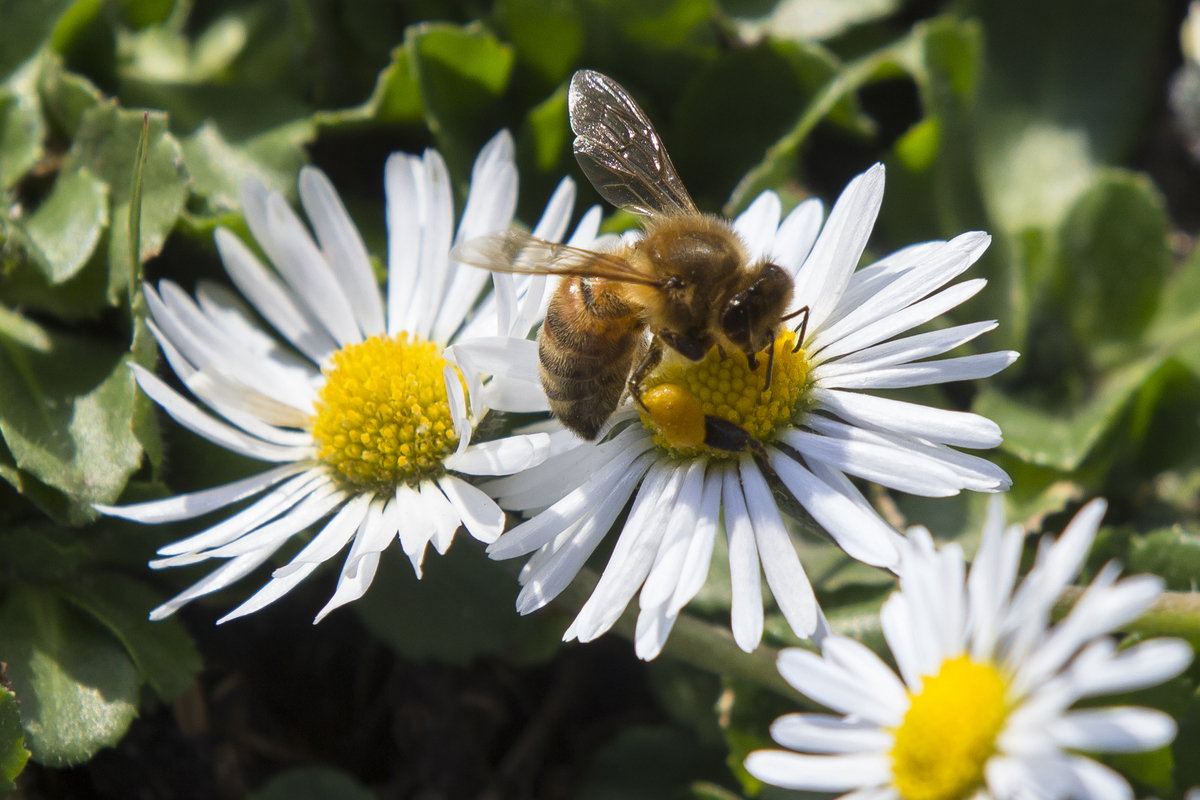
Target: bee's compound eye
point(676, 414)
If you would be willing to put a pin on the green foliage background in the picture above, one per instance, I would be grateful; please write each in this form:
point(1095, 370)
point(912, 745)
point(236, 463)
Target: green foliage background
point(1043, 122)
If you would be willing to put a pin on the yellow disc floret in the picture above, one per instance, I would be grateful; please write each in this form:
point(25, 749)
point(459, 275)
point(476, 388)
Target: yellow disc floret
point(383, 417)
point(680, 395)
point(949, 732)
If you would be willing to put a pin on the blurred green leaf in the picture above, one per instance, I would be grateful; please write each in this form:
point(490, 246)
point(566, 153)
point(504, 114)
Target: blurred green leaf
point(1063, 441)
point(547, 130)
point(688, 695)
point(24, 332)
point(547, 34)
point(162, 651)
point(1187, 745)
point(1152, 769)
point(22, 129)
point(217, 168)
point(65, 95)
point(460, 609)
point(67, 226)
point(78, 688)
point(813, 20)
point(462, 71)
point(27, 23)
point(312, 783)
point(68, 417)
point(161, 54)
point(644, 763)
point(1171, 553)
point(1114, 249)
point(13, 754)
point(107, 144)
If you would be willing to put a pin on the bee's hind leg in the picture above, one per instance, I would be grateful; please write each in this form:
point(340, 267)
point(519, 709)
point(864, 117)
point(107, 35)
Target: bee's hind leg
point(651, 359)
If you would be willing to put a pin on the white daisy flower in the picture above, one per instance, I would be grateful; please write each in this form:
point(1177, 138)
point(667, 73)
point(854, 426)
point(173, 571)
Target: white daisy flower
point(366, 420)
point(817, 422)
point(982, 707)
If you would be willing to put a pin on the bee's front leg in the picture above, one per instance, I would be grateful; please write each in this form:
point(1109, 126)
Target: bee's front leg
point(652, 358)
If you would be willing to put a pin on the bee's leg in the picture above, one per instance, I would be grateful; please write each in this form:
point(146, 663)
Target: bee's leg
point(721, 352)
point(650, 360)
point(803, 327)
point(770, 363)
point(721, 434)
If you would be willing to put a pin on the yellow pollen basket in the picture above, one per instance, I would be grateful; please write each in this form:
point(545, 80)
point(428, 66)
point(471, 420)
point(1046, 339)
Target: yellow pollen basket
point(383, 417)
point(680, 395)
point(949, 732)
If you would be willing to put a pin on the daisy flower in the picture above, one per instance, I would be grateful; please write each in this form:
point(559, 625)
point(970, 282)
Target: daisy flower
point(367, 423)
point(817, 420)
point(982, 706)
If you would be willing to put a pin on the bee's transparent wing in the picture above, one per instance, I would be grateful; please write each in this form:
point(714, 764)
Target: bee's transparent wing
point(518, 252)
point(619, 150)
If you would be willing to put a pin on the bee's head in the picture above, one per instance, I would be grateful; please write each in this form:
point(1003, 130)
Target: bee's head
point(750, 319)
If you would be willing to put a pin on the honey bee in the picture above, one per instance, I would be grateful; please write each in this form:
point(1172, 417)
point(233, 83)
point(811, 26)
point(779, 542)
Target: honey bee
point(688, 280)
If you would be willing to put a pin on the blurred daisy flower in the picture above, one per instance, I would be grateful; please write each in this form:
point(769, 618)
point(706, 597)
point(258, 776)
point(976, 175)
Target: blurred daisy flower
point(817, 421)
point(368, 423)
point(982, 706)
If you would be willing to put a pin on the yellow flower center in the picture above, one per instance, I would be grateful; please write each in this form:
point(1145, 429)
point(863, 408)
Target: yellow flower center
point(680, 395)
point(949, 732)
point(383, 417)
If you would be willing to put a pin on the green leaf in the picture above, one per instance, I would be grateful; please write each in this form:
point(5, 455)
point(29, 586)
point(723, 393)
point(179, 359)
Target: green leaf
point(1172, 553)
point(27, 23)
point(547, 130)
point(460, 609)
point(24, 332)
point(814, 20)
point(68, 417)
point(218, 168)
point(547, 34)
point(462, 71)
point(312, 783)
point(65, 95)
point(645, 763)
point(78, 688)
point(1114, 248)
point(67, 226)
point(163, 651)
point(13, 754)
point(22, 129)
point(107, 144)
point(1063, 441)
point(1187, 745)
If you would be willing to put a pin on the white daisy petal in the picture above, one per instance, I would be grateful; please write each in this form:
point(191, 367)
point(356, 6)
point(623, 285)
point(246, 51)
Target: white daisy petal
point(818, 773)
point(700, 548)
point(650, 634)
point(321, 502)
point(189, 506)
point(825, 347)
point(1113, 730)
point(825, 734)
point(1098, 781)
point(1144, 664)
point(859, 661)
point(351, 587)
point(274, 589)
point(416, 526)
point(795, 237)
point(404, 216)
point(793, 593)
point(826, 272)
point(564, 563)
point(216, 432)
point(746, 611)
point(668, 562)
point(957, 428)
point(757, 225)
point(272, 299)
point(929, 373)
point(228, 573)
point(863, 536)
point(433, 272)
point(480, 515)
point(884, 465)
point(502, 456)
point(837, 688)
point(332, 538)
point(445, 518)
point(902, 351)
point(342, 246)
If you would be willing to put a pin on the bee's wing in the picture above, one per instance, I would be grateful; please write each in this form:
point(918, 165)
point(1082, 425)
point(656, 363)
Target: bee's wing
point(619, 150)
point(516, 251)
